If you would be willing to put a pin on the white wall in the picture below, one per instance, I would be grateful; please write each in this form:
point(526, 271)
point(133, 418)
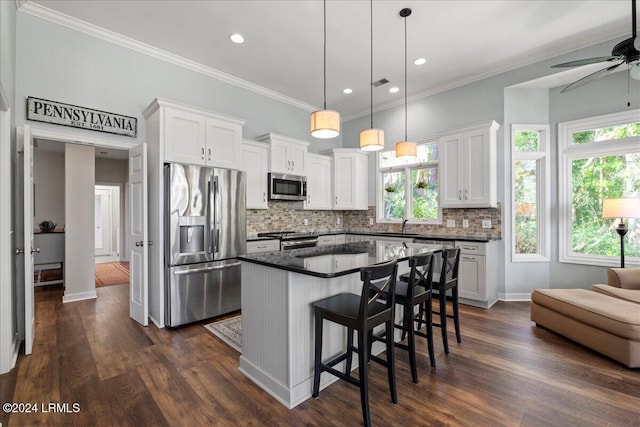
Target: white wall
point(79, 232)
point(48, 179)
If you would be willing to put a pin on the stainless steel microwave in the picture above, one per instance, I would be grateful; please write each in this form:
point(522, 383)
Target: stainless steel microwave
point(287, 187)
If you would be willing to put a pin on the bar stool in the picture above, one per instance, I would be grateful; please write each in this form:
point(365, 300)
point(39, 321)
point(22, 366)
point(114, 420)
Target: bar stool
point(374, 306)
point(414, 289)
point(448, 280)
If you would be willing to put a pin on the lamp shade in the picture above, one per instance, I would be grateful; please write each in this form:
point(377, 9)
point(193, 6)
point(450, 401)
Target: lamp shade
point(372, 139)
point(325, 124)
point(406, 148)
point(625, 207)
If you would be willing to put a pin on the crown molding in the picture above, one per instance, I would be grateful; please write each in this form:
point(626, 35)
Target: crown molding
point(129, 43)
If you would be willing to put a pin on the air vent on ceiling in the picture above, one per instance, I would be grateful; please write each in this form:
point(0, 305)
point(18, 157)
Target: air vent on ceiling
point(380, 82)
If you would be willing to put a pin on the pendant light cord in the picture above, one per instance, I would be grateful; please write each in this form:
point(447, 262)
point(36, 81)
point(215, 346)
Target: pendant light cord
point(405, 78)
point(325, 52)
point(371, 58)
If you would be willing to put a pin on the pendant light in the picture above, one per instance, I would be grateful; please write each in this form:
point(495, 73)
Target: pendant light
point(371, 139)
point(405, 148)
point(325, 123)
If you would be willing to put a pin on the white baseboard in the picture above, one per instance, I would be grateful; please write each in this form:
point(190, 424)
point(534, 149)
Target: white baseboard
point(155, 322)
point(80, 296)
point(515, 296)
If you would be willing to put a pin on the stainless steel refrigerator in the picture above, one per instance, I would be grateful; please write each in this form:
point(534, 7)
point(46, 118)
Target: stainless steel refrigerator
point(205, 229)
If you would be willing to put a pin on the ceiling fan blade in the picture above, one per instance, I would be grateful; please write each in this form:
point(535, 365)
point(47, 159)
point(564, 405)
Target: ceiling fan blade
point(588, 61)
point(590, 77)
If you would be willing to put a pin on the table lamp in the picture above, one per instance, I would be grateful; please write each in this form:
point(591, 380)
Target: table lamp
point(625, 207)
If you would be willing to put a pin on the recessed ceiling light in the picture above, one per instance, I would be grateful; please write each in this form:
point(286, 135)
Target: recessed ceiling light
point(347, 90)
point(237, 38)
point(420, 61)
point(394, 89)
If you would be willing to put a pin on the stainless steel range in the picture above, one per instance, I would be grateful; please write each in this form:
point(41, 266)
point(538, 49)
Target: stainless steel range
point(293, 240)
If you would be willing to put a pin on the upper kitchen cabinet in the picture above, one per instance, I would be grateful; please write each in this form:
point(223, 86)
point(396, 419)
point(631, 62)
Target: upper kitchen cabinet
point(286, 155)
point(255, 161)
point(350, 178)
point(195, 136)
point(468, 166)
point(319, 182)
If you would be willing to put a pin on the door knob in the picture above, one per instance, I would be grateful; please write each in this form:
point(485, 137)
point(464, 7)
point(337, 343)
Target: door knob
point(35, 250)
point(140, 243)
point(19, 251)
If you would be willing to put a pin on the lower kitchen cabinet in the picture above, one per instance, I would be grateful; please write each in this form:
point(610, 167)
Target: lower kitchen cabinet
point(478, 273)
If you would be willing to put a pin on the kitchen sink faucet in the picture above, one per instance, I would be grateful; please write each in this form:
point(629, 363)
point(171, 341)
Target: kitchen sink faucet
point(404, 224)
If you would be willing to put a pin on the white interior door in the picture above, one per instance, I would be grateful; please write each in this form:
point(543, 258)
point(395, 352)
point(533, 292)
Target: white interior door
point(103, 221)
point(138, 236)
point(29, 305)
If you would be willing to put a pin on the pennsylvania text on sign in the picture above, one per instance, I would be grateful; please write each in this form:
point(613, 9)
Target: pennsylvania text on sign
point(42, 110)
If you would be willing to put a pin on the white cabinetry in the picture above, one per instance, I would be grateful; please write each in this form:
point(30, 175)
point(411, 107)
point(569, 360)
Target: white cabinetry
point(350, 179)
point(286, 155)
point(468, 166)
point(199, 137)
point(257, 246)
point(477, 274)
point(318, 172)
point(255, 161)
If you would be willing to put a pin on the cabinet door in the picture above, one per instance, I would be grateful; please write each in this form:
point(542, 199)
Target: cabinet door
point(344, 180)
point(451, 171)
point(184, 137)
point(477, 182)
point(298, 159)
point(223, 143)
point(254, 161)
point(279, 157)
point(471, 277)
point(318, 182)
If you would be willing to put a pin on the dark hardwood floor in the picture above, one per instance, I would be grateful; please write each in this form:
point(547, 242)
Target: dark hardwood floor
point(507, 372)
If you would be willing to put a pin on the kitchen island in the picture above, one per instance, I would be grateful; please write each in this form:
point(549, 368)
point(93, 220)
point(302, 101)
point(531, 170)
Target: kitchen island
point(278, 290)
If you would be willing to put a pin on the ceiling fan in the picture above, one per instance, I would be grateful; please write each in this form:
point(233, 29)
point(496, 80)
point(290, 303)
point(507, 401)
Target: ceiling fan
point(627, 51)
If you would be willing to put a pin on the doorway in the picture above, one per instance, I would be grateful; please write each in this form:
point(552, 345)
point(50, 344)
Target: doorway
point(108, 217)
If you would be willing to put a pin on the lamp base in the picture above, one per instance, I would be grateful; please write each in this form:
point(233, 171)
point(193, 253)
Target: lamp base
point(622, 231)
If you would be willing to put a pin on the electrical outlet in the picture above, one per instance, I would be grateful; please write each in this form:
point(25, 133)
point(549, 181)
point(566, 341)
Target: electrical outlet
point(465, 223)
point(370, 221)
point(451, 223)
point(486, 223)
point(338, 220)
point(306, 221)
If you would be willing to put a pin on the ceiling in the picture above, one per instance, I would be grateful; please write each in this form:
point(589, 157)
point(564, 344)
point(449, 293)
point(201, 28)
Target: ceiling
point(462, 41)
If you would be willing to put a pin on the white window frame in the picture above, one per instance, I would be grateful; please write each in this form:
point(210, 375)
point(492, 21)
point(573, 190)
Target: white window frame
point(407, 168)
point(567, 153)
point(543, 192)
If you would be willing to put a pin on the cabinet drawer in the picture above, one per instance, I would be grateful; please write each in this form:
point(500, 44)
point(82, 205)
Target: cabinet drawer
point(471, 248)
point(326, 240)
point(263, 246)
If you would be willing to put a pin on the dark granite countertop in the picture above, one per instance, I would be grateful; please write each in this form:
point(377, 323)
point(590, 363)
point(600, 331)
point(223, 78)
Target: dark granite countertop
point(444, 237)
point(338, 260)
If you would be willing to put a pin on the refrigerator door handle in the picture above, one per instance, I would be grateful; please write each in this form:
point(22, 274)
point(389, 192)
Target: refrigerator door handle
point(216, 215)
point(209, 218)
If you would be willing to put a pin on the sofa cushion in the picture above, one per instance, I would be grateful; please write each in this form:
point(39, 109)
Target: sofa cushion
point(613, 315)
point(632, 295)
point(626, 278)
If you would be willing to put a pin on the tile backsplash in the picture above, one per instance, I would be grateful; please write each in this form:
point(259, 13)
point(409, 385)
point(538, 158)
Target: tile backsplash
point(289, 216)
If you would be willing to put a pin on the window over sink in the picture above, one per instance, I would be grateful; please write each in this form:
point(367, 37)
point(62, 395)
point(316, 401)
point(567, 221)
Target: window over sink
point(407, 187)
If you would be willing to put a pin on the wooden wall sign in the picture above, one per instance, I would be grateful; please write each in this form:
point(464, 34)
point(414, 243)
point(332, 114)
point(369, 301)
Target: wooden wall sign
point(42, 110)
